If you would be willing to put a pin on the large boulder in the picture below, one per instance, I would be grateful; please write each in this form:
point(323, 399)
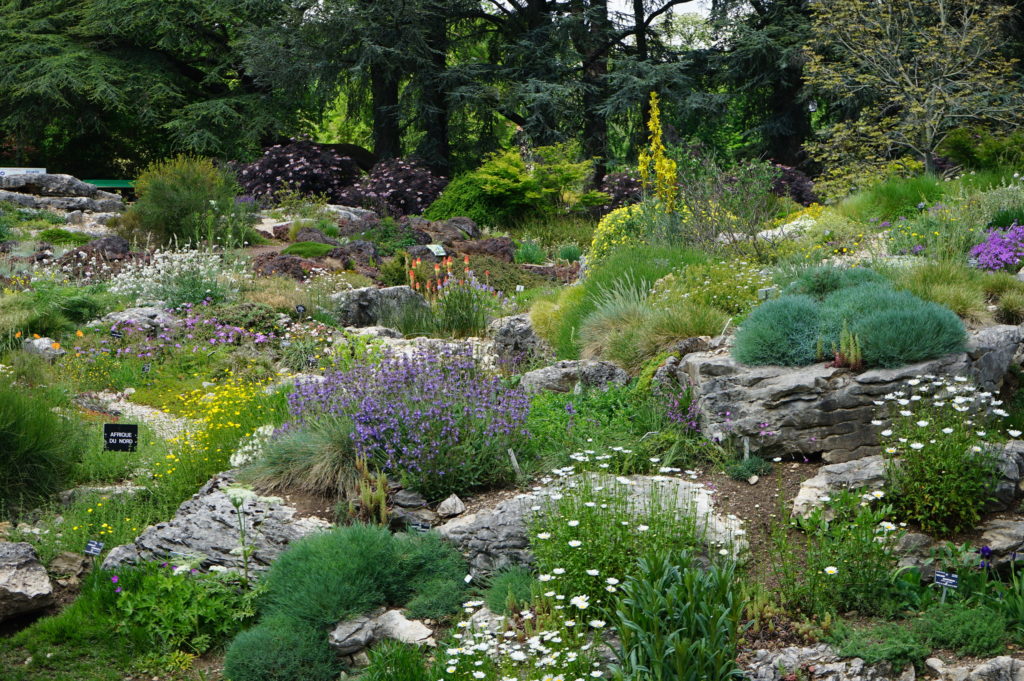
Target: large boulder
point(272, 263)
point(820, 409)
point(316, 236)
point(47, 184)
point(105, 255)
point(24, 584)
point(445, 232)
point(500, 247)
point(47, 348)
point(206, 528)
point(370, 305)
point(359, 252)
point(515, 341)
point(498, 537)
point(573, 375)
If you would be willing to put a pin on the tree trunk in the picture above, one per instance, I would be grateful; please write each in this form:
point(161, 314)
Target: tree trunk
point(387, 134)
point(591, 43)
point(434, 112)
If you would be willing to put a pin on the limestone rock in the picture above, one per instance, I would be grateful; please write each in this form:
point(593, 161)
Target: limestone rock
point(515, 341)
point(867, 473)
point(69, 496)
point(356, 253)
point(451, 507)
point(48, 184)
point(206, 526)
point(271, 263)
point(355, 635)
point(374, 331)
point(367, 306)
point(149, 319)
point(47, 348)
point(350, 213)
point(24, 584)
point(501, 248)
point(818, 409)
point(408, 498)
point(573, 375)
point(498, 537)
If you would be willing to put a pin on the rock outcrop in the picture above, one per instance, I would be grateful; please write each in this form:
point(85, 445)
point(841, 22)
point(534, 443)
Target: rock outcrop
point(60, 192)
point(369, 306)
point(819, 409)
point(498, 537)
point(573, 375)
point(515, 341)
point(206, 528)
point(24, 585)
point(354, 636)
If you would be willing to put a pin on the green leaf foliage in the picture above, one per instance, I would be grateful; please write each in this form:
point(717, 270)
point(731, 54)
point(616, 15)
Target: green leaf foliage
point(783, 331)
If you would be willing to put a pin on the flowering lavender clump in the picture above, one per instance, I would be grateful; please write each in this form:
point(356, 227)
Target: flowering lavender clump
point(1001, 249)
point(430, 416)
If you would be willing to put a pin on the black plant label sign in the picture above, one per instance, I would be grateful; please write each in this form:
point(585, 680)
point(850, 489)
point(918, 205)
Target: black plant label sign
point(120, 437)
point(301, 309)
point(146, 367)
point(93, 547)
point(114, 333)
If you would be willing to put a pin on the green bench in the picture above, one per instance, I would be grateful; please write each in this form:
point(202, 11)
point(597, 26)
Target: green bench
point(112, 184)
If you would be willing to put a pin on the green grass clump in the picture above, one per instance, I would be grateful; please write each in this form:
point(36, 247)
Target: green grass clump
point(897, 336)
point(509, 590)
point(308, 249)
point(569, 252)
point(56, 235)
point(949, 283)
point(281, 649)
point(892, 198)
point(38, 449)
point(395, 661)
point(318, 458)
point(784, 331)
point(1007, 217)
point(560, 320)
point(743, 469)
point(530, 252)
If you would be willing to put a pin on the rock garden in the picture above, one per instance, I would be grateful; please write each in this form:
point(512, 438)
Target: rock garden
point(313, 417)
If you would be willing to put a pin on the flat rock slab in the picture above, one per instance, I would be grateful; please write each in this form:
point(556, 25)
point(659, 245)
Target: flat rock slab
point(498, 537)
point(206, 527)
point(24, 584)
point(573, 375)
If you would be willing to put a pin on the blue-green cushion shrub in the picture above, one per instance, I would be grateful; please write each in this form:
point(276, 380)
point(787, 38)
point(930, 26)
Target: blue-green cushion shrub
point(783, 331)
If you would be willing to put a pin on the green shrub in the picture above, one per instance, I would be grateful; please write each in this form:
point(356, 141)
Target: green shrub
point(977, 148)
point(505, 190)
point(55, 235)
point(844, 560)
point(187, 200)
point(318, 458)
point(281, 649)
point(308, 249)
point(894, 643)
point(897, 336)
point(255, 317)
point(390, 238)
point(783, 331)
point(509, 590)
point(743, 469)
point(182, 611)
point(38, 448)
point(728, 286)
point(976, 631)
point(559, 321)
point(679, 622)
point(326, 578)
point(1010, 308)
point(530, 252)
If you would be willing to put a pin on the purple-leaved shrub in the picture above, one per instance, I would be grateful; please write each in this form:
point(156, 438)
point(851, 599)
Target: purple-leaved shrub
point(303, 166)
point(431, 417)
point(1002, 249)
point(396, 188)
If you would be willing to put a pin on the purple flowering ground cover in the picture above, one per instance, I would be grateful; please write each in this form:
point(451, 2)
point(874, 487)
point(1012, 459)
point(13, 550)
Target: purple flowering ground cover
point(1001, 249)
point(431, 417)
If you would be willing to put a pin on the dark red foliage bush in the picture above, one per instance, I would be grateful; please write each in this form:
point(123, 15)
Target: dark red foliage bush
point(795, 184)
point(623, 188)
point(303, 166)
point(396, 188)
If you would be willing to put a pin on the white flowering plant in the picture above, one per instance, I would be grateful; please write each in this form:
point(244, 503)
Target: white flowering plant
point(844, 558)
point(589, 539)
point(176, 277)
point(940, 454)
